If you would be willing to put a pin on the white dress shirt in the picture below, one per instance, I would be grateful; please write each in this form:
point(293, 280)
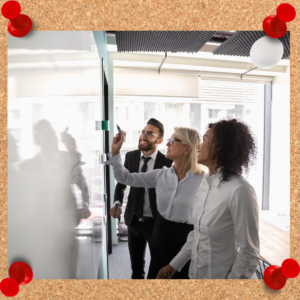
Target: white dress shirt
point(150, 166)
point(175, 200)
point(225, 241)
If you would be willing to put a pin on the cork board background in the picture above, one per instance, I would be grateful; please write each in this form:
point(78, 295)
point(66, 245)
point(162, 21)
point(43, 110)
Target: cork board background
point(92, 15)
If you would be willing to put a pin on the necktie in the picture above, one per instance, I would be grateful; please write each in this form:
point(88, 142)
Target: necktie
point(140, 200)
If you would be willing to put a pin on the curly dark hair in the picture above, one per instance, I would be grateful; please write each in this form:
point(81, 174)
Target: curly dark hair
point(235, 147)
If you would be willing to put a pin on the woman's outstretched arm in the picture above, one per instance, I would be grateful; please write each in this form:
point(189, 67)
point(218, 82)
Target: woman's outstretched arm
point(122, 175)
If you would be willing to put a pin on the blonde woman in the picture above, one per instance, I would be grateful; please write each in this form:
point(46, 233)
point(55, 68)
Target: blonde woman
point(175, 187)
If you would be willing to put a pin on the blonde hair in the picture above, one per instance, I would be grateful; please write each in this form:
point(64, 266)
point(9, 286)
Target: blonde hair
point(192, 138)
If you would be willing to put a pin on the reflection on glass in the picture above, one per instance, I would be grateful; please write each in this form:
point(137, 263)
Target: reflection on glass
point(55, 191)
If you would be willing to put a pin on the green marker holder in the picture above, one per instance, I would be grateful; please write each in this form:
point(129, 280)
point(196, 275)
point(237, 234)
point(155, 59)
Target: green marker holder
point(105, 125)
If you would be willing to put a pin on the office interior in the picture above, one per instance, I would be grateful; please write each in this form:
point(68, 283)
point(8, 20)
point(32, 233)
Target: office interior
point(66, 93)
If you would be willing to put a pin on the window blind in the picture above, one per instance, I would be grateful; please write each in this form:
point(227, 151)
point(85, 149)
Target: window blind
point(149, 83)
point(236, 77)
point(228, 91)
point(143, 82)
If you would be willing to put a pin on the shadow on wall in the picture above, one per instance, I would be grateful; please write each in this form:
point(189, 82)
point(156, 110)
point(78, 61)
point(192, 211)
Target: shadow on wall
point(42, 210)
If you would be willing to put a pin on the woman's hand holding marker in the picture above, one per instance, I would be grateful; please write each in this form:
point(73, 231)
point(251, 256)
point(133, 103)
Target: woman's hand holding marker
point(117, 143)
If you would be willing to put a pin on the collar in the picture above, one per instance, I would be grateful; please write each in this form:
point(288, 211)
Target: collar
point(215, 179)
point(153, 155)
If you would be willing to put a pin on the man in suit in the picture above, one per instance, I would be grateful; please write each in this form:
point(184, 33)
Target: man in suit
point(141, 210)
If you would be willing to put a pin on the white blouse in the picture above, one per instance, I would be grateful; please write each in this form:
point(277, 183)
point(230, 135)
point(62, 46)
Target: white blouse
point(225, 240)
point(175, 200)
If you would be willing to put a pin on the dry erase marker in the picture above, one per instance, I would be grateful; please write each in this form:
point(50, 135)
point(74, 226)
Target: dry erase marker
point(119, 129)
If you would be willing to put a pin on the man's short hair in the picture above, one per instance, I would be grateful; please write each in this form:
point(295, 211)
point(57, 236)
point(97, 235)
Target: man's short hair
point(157, 124)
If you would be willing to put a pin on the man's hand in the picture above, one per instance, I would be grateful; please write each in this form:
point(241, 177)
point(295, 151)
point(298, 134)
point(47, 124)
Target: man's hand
point(166, 272)
point(113, 212)
point(117, 143)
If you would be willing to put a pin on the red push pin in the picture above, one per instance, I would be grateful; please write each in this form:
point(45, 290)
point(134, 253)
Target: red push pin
point(21, 272)
point(275, 26)
point(275, 277)
point(9, 287)
point(286, 12)
point(19, 25)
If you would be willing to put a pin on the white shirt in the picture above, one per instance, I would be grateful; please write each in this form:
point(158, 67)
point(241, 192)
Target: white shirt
point(175, 200)
point(150, 166)
point(225, 240)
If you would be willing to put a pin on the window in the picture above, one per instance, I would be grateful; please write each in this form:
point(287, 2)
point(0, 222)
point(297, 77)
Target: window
point(213, 101)
point(127, 113)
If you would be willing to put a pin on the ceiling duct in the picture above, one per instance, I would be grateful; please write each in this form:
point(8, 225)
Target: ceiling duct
point(162, 41)
point(225, 33)
point(240, 44)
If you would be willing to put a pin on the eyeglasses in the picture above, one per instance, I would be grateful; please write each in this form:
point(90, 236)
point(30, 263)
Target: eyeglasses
point(147, 133)
point(172, 141)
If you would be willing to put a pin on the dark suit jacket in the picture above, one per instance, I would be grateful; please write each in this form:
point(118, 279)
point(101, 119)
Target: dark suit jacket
point(132, 163)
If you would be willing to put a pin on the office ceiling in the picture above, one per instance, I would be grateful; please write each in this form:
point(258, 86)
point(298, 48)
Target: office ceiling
point(162, 41)
point(217, 42)
point(240, 44)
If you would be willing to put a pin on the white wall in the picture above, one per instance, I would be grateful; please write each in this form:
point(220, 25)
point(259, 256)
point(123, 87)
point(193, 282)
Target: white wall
point(280, 144)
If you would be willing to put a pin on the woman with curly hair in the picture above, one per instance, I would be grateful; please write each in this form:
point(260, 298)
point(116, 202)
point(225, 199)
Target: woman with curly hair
point(224, 242)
